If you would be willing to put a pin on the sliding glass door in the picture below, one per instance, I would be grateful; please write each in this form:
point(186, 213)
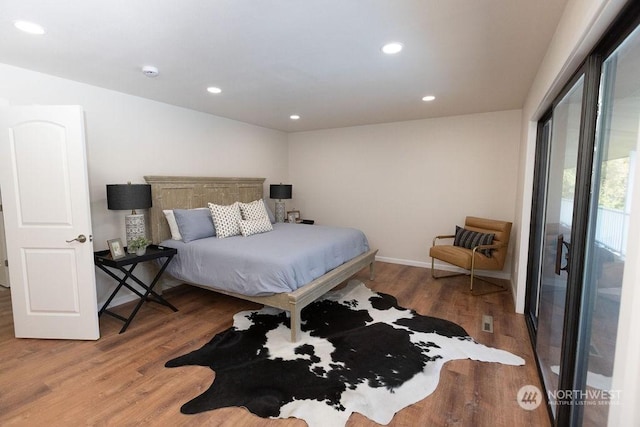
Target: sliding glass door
point(585, 161)
point(617, 141)
point(556, 237)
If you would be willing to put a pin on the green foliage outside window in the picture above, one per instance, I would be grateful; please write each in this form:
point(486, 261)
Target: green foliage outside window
point(613, 183)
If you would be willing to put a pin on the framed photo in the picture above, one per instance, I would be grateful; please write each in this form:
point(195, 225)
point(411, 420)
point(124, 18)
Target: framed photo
point(116, 248)
point(293, 216)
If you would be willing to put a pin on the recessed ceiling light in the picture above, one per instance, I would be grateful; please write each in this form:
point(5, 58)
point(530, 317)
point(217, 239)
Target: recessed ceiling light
point(392, 48)
point(29, 27)
point(213, 89)
point(294, 117)
point(428, 98)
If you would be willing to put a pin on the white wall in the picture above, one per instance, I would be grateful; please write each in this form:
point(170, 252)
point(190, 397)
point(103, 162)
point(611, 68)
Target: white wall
point(129, 137)
point(404, 183)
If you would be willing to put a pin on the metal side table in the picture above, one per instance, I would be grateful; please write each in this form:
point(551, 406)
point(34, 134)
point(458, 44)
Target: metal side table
point(104, 262)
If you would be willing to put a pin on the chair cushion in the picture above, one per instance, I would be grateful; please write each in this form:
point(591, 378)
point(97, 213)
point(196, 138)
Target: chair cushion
point(461, 257)
point(470, 239)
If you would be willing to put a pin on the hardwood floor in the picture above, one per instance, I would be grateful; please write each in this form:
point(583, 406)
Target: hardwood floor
point(121, 380)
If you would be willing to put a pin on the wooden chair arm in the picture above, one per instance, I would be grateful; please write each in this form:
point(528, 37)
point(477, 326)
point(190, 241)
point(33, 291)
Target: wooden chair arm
point(443, 236)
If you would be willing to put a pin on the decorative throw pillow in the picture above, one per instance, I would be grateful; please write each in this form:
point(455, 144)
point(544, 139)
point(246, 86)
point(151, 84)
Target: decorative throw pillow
point(225, 219)
point(194, 224)
point(470, 239)
point(255, 226)
point(253, 210)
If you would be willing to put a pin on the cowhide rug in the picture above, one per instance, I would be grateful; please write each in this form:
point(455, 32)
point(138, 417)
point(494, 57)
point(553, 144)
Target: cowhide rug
point(359, 352)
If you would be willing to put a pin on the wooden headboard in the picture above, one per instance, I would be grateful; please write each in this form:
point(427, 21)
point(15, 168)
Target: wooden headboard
point(189, 192)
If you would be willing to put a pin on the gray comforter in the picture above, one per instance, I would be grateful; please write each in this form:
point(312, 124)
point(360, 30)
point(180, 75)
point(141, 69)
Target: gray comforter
point(282, 260)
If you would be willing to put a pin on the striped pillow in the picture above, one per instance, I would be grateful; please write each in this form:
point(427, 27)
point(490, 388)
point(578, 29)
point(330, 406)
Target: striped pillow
point(470, 239)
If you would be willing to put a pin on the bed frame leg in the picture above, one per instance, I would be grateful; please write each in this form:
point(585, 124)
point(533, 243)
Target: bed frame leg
point(295, 324)
point(372, 271)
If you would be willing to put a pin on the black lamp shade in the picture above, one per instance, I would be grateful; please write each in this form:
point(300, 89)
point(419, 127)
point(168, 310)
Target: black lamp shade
point(122, 197)
point(280, 191)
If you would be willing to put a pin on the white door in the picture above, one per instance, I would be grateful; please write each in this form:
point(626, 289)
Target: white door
point(4, 270)
point(43, 176)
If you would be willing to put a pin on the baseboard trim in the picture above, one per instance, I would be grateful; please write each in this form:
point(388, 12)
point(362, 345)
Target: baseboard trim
point(445, 267)
point(403, 262)
point(125, 297)
point(120, 299)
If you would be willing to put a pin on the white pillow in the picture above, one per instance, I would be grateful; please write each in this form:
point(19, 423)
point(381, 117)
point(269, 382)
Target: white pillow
point(255, 226)
point(173, 225)
point(253, 210)
point(225, 219)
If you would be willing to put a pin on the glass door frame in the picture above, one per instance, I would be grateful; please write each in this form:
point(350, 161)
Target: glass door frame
point(578, 228)
point(627, 21)
point(536, 227)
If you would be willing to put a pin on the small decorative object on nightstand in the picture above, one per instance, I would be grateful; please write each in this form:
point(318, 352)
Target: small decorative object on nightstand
point(116, 250)
point(138, 245)
point(293, 216)
point(280, 191)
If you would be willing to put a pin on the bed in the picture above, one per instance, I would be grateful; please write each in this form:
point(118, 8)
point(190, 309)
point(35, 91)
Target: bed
point(178, 192)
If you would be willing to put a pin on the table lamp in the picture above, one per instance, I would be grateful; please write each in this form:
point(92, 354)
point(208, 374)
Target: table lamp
point(130, 196)
point(280, 191)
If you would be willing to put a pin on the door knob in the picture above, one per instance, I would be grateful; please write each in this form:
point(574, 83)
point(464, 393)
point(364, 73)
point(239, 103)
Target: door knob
point(81, 238)
point(560, 246)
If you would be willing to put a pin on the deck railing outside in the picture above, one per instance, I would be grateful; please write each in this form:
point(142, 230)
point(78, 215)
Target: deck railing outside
point(613, 226)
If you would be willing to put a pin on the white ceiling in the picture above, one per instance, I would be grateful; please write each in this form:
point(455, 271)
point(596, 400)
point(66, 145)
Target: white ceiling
point(320, 59)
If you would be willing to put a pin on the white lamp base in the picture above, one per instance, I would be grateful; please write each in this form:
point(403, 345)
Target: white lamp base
point(134, 226)
point(280, 211)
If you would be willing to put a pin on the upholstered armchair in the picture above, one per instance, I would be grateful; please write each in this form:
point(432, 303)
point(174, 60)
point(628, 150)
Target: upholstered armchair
point(481, 245)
